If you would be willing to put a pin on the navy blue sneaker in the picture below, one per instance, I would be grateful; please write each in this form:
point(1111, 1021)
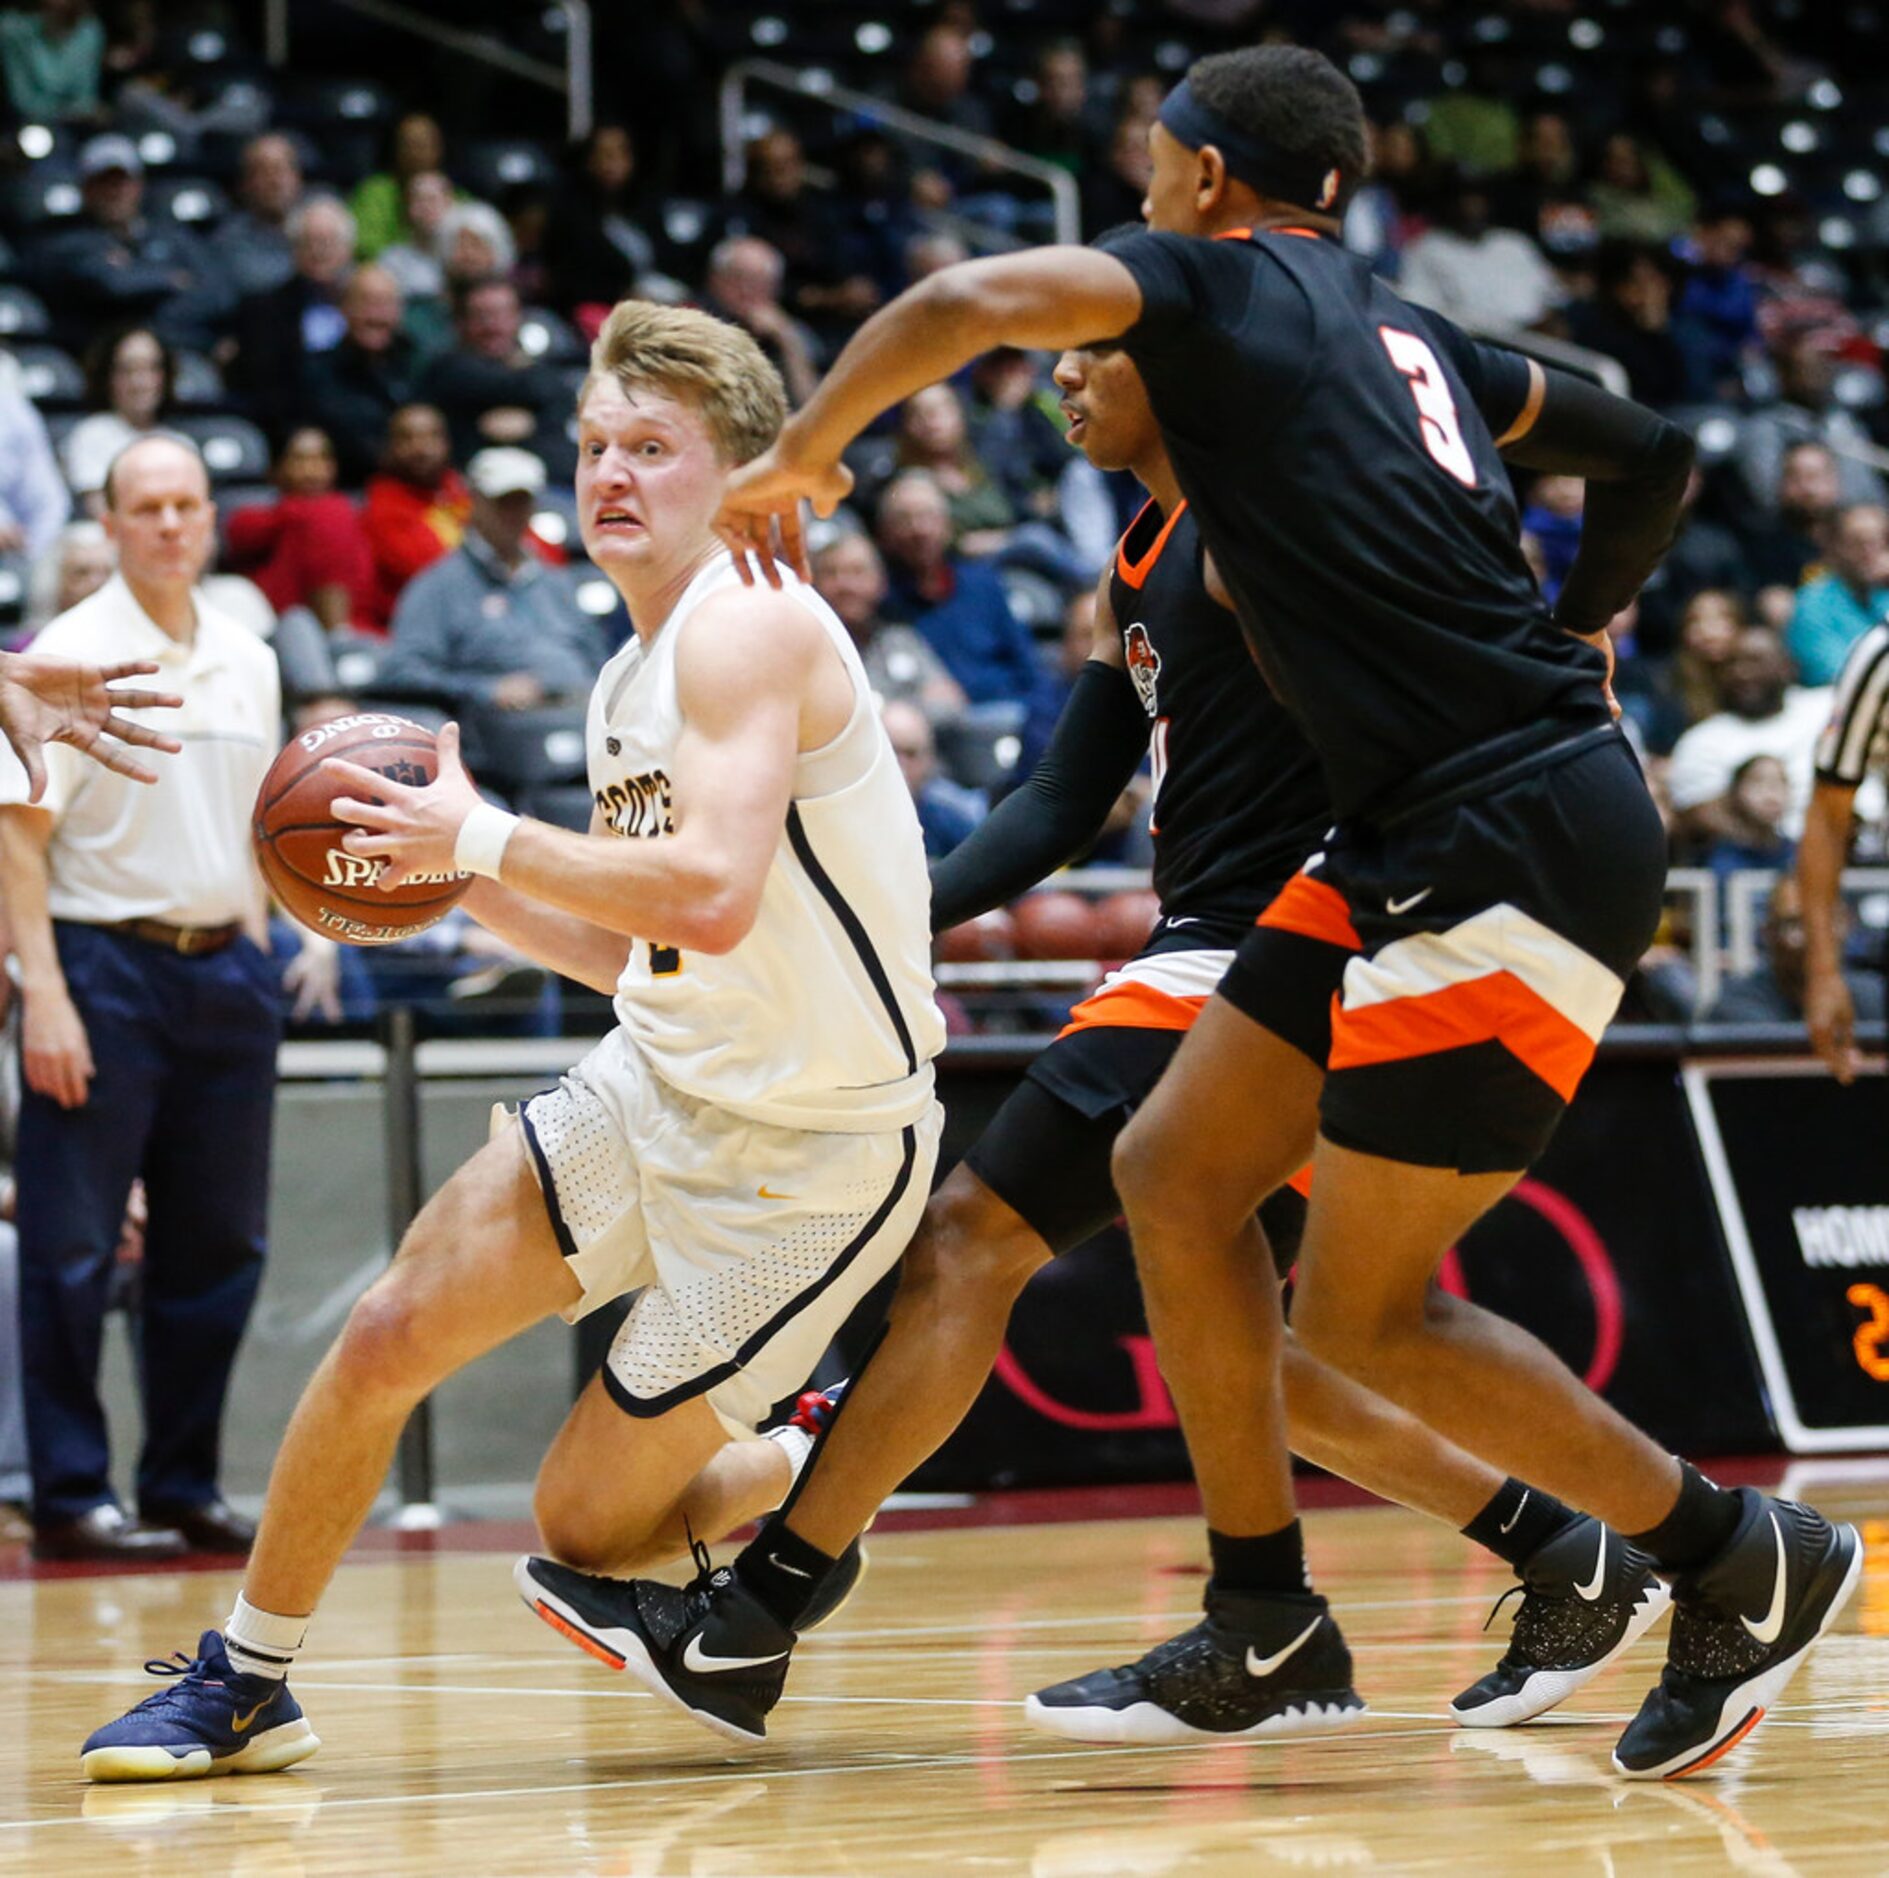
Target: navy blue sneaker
point(211, 1720)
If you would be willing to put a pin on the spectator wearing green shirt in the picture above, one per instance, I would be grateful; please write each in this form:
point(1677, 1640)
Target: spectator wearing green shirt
point(379, 202)
point(52, 58)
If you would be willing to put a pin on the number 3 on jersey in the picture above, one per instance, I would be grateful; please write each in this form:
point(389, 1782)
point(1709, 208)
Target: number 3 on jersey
point(1436, 409)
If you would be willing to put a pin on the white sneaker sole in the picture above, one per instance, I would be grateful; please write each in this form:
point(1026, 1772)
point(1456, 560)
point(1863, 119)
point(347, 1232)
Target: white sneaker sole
point(1547, 1688)
point(1146, 1724)
point(616, 1649)
point(269, 1753)
point(1744, 1707)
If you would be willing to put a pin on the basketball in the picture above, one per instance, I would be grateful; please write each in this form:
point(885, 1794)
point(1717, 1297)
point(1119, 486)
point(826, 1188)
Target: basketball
point(1052, 924)
point(298, 840)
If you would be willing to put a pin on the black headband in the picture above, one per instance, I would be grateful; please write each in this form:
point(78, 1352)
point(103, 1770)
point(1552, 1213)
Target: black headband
point(1292, 176)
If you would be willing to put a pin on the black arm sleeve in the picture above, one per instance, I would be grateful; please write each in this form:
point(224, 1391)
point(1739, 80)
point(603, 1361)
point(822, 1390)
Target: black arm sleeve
point(1635, 464)
point(1097, 746)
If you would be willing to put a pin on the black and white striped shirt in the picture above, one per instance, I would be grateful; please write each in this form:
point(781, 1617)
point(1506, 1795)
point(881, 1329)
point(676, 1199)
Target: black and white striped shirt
point(1856, 740)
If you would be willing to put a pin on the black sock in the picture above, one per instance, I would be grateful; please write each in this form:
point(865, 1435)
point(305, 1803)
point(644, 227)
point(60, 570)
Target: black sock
point(1701, 1524)
point(1518, 1521)
point(1267, 1566)
point(783, 1571)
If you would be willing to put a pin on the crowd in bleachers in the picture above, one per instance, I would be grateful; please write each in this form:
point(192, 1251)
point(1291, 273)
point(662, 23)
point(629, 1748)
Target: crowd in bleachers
point(374, 324)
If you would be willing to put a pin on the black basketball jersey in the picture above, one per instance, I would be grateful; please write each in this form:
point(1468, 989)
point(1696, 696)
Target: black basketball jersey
point(1335, 444)
point(1239, 800)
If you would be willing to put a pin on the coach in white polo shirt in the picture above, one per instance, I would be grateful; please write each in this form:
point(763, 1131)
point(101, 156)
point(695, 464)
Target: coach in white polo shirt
point(150, 1020)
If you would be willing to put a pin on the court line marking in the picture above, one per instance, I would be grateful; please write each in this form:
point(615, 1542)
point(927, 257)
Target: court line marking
point(891, 1763)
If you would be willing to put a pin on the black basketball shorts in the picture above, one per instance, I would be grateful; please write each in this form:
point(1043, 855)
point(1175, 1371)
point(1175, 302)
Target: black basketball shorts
point(1046, 1151)
point(1454, 969)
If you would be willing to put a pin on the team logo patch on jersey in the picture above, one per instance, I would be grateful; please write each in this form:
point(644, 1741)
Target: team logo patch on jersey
point(1144, 665)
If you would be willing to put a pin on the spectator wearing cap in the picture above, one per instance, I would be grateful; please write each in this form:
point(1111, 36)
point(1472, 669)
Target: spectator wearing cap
point(490, 389)
point(354, 390)
point(151, 1019)
point(306, 548)
point(52, 57)
point(113, 262)
point(129, 379)
point(278, 332)
point(491, 626)
point(252, 245)
point(33, 499)
point(1843, 603)
point(416, 507)
point(1473, 272)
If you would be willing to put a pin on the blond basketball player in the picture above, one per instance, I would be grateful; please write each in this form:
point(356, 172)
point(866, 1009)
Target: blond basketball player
point(749, 1149)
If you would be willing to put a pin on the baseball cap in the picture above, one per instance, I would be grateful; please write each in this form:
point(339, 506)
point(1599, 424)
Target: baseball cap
point(502, 471)
point(109, 152)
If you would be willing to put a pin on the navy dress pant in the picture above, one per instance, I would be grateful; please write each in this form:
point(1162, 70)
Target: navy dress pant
point(183, 1095)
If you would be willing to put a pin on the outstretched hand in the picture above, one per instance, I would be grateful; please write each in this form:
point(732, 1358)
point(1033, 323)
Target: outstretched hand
point(761, 517)
point(414, 831)
point(49, 700)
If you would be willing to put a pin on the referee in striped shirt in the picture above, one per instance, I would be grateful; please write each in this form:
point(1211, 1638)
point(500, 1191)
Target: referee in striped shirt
point(1855, 742)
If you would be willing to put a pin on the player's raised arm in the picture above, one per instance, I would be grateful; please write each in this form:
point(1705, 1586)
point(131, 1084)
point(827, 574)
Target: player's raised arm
point(1044, 297)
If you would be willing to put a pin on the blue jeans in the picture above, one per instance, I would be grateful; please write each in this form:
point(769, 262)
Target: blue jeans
point(183, 1094)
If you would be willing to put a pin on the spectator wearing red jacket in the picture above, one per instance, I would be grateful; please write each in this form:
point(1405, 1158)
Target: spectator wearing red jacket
point(416, 507)
point(308, 547)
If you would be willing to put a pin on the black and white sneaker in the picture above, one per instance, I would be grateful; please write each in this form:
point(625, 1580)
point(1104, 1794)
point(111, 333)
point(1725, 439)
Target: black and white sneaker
point(709, 1648)
point(1586, 1596)
point(1741, 1626)
point(1253, 1666)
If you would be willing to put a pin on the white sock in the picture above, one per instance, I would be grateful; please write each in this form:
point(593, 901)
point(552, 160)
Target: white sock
point(796, 1444)
point(260, 1643)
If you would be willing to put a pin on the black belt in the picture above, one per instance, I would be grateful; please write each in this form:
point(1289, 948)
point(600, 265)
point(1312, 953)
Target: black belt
point(191, 941)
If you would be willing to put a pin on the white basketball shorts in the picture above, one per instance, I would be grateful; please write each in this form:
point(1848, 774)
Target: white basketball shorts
point(749, 1243)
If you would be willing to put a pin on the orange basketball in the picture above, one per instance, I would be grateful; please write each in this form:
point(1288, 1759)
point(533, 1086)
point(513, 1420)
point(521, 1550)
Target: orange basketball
point(298, 840)
point(1052, 924)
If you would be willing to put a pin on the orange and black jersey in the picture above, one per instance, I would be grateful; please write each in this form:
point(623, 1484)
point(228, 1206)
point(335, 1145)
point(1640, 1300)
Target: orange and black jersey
point(1337, 446)
point(1239, 798)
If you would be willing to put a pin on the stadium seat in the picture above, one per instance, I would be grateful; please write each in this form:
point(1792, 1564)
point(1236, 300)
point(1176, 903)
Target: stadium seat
point(357, 660)
point(14, 574)
point(527, 749)
point(22, 314)
point(233, 448)
point(51, 378)
point(493, 165)
point(48, 192)
point(548, 336)
point(980, 750)
point(195, 201)
point(198, 385)
point(565, 805)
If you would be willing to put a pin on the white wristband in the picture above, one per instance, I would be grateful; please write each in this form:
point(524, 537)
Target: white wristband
point(482, 838)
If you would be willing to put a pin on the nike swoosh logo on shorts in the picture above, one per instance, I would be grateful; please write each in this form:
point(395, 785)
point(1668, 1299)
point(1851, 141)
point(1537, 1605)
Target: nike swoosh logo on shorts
point(1591, 1590)
point(1257, 1665)
point(1771, 1628)
point(1395, 907)
point(765, 1192)
point(698, 1659)
point(1514, 1516)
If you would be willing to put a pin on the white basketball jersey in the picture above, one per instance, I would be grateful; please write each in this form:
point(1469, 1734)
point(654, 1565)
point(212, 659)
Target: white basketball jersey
point(823, 1016)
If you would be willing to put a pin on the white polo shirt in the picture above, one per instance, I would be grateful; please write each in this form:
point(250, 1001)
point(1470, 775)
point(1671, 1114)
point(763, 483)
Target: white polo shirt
point(178, 850)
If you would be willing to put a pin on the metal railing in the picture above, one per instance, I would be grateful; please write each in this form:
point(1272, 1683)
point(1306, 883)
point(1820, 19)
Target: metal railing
point(575, 78)
point(1607, 372)
point(817, 86)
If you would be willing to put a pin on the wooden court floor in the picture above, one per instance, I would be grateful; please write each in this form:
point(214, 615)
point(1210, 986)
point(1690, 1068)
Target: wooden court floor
point(462, 1737)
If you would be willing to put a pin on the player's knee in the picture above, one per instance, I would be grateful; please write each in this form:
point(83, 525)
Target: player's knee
point(971, 1242)
point(383, 1348)
point(1142, 1165)
point(569, 1530)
